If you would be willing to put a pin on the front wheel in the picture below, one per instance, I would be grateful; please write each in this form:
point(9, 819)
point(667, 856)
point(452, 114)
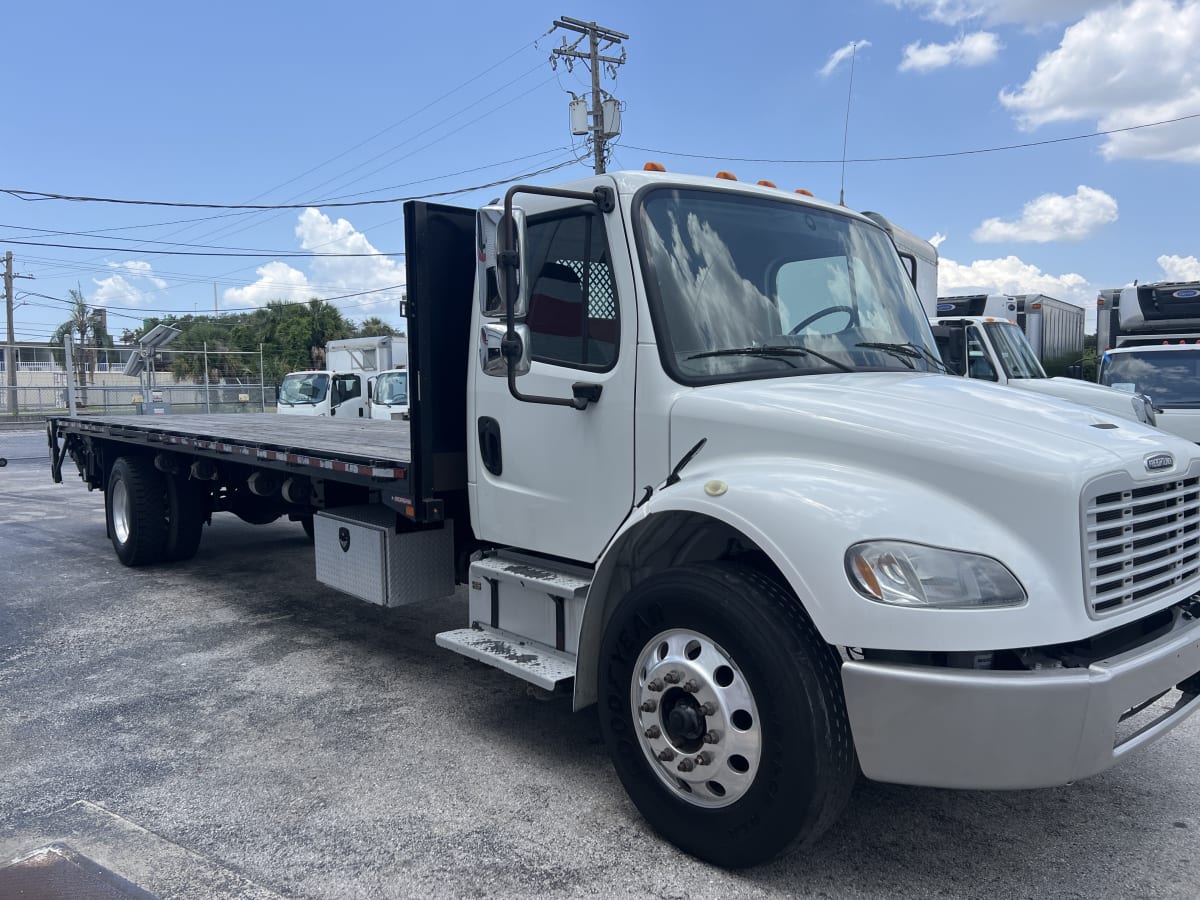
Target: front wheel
point(723, 712)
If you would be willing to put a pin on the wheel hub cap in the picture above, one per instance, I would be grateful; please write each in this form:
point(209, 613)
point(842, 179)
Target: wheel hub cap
point(696, 719)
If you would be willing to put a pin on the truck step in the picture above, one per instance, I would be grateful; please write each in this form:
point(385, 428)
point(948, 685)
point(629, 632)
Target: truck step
point(528, 660)
point(533, 575)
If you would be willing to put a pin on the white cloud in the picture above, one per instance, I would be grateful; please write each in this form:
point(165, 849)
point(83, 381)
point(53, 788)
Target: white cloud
point(841, 55)
point(131, 284)
point(974, 49)
point(938, 239)
point(998, 12)
point(1123, 66)
point(1011, 275)
point(276, 281)
point(318, 233)
point(1053, 217)
point(1180, 268)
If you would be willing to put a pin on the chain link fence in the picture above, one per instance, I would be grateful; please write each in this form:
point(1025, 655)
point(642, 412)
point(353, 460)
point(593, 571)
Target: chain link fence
point(178, 382)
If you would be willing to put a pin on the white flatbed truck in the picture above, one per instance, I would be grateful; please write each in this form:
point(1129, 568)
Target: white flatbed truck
point(686, 442)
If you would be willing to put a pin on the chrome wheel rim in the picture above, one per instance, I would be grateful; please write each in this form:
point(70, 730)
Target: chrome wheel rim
point(695, 718)
point(120, 511)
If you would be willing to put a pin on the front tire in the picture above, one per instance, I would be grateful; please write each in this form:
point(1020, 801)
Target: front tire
point(135, 508)
point(723, 712)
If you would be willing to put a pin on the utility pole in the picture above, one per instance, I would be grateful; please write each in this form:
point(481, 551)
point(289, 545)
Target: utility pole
point(10, 350)
point(601, 130)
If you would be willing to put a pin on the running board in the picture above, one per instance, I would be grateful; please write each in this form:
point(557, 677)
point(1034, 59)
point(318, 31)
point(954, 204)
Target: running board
point(525, 659)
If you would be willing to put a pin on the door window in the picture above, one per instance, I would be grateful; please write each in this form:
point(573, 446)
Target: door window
point(573, 318)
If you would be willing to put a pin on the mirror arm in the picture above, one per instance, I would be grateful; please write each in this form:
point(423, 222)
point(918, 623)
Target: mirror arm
point(508, 261)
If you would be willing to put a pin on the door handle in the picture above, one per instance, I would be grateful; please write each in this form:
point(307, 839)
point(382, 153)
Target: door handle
point(489, 445)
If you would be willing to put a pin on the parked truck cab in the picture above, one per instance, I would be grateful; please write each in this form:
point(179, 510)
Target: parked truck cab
point(389, 395)
point(996, 350)
point(321, 393)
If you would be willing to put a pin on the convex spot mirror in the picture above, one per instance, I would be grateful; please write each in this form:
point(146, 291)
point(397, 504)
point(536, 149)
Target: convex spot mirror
point(491, 281)
point(491, 356)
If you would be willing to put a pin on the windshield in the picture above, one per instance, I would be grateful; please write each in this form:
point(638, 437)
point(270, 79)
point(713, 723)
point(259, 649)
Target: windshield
point(392, 388)
point(304, 387)
point(1168, 377)
point(1016, 356)
point(748, 287)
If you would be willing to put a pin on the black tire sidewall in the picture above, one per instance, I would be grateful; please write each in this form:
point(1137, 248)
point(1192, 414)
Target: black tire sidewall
point(788, 795)
point(147, 513)
point(185, 518)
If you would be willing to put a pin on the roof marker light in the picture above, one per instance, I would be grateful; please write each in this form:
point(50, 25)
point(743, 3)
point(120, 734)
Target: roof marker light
point(654, 167)
point(804, 191)
point(728, 176)
point(765, 183)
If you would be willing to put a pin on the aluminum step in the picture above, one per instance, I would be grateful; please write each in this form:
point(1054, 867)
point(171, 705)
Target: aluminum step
point(534, 575)
point(528, 660)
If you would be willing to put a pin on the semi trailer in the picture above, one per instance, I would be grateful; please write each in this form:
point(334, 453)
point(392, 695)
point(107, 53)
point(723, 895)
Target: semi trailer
point(687, 443)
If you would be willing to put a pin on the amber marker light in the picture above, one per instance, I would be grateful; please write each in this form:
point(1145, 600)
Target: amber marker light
point(727, 176)
point(654, 167)
point(765, 183)
point(804, 191)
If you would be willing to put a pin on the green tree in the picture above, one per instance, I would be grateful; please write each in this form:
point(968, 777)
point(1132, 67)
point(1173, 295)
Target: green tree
point(86, 330)
point(375, 327)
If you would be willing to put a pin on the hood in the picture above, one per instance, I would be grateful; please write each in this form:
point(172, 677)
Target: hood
point(939, 429)
point(1098, 396)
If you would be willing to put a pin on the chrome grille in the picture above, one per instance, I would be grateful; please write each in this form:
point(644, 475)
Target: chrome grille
point(1141, 541)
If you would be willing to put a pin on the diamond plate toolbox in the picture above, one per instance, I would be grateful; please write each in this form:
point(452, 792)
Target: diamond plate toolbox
point(359, 551)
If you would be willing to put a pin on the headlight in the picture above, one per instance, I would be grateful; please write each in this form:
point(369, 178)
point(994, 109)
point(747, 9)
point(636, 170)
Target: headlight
point(1143, 407)
point(903, 574)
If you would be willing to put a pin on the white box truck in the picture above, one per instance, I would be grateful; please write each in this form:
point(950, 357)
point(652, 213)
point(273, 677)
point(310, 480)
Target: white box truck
point(686, 442)
point(341, 388)
point(1155, 350)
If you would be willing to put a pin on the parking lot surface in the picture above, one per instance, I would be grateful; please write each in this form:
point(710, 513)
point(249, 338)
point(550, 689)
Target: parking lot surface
point(228, 727)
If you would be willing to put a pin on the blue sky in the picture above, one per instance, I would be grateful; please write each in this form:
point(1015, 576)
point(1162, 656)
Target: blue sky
point(297, 102)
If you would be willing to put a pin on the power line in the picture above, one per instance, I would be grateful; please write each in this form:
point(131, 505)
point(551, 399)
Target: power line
point(36, 196)
point(918, 156)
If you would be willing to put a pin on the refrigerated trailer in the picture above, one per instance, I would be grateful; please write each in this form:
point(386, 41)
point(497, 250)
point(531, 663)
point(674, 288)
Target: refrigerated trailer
point(686, 442)
point(1155, 350)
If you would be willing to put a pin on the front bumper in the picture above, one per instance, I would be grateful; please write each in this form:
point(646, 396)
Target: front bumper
point(994, 730)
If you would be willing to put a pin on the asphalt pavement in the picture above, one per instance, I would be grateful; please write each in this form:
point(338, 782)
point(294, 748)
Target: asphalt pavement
point(228, 727)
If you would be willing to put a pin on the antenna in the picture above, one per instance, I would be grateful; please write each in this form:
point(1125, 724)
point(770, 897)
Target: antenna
point(846, 129)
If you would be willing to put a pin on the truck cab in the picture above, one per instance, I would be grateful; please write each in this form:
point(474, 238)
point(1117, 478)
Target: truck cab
point(992, 349)
point(321, 393)
point(389, 395)
point(1169, 374)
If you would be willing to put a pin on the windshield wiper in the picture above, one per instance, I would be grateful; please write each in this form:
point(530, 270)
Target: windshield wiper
point(768, 351)
point(905, 352)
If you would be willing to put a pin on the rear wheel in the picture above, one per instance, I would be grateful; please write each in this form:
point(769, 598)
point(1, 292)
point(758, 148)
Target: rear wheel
point(723, 712)
point(185, 518)
point(135, 506)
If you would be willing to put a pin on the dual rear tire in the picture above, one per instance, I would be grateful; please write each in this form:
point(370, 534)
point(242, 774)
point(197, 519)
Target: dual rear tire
point(152, 516)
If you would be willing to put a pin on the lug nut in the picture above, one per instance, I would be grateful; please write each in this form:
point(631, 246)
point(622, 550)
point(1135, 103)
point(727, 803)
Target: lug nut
point(672, 678)
point(686, 765)
point(649, 705)
point(703, 759)
point(711, 737)
point(666, 754)
point(692, 686)
point(654, 685)
point(709, 708)
point(653, 732)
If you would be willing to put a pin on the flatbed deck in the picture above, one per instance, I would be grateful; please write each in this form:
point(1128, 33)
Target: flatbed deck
point(363, 451)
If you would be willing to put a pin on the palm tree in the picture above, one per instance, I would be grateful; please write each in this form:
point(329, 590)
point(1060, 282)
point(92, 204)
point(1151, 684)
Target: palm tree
point(85, 322)
point(375, 327)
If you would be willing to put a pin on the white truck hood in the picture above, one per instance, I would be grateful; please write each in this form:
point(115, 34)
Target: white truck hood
point(932, 421)
point(1098, 396)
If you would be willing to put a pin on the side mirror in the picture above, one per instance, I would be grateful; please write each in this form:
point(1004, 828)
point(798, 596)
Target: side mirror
point(491, 355)
point(492, 281)
point(370, 387)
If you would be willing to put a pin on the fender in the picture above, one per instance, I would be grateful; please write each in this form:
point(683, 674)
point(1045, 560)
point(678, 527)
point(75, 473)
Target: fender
point(803, 516)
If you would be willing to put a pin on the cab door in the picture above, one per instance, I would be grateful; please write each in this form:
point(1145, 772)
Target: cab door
point(554, 479)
